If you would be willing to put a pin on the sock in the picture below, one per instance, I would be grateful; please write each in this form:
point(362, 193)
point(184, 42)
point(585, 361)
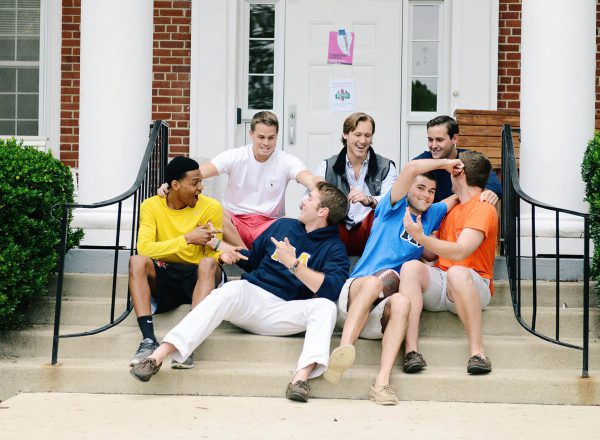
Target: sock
point(147, 327)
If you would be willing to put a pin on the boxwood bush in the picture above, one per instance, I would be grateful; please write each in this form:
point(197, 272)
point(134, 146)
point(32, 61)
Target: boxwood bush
point(31, 182)
point(590, 171)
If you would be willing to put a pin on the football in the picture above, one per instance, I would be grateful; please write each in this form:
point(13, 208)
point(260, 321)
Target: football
point(390, 279)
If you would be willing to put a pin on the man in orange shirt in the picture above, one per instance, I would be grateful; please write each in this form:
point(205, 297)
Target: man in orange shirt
point(461, 281)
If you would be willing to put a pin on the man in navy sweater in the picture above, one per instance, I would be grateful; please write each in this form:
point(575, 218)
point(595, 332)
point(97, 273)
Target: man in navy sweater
point(442, 138)
point(295, 271)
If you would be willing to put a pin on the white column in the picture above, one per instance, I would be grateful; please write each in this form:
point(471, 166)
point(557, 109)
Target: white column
point(115, 107)
point(558, 65)
point(115, 94)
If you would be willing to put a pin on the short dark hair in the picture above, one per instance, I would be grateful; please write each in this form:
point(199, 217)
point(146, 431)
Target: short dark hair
point(450, 123)
point(477, 168)
point(267, 118)
point(333, 199)
point(431, 176)
point(177, 168)
point(352, 121)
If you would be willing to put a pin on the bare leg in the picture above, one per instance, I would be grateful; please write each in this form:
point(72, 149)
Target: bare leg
point(393, 323)
point(142, 280)
point(363, 293)
point(209, 277)
point(161, 353)
point(463, 293)
point(230, 233)
point(414, 279)
point(303, 373)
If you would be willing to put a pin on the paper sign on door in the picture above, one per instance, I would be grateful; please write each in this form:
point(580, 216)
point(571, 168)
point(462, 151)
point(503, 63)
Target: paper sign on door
point(341, 47)
point(341, 95)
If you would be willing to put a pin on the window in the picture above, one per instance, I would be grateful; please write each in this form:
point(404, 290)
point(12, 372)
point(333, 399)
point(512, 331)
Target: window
point(19, 67)
point(425, 55)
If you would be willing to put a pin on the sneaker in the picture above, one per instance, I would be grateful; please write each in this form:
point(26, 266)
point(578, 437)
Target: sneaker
point(413, 362)
point(479, 365)
point(383, 395)
point(185, 365)
point(340, 360)
point(145, 370)
point(146, 348)
point(298, 391)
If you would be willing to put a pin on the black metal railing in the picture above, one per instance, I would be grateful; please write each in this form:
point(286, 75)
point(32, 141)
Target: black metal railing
point(150, 177)
point(513, 199)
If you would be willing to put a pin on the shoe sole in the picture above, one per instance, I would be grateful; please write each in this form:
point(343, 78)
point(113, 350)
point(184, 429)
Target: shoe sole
point(384, 402)
point(182, 366)
point(340, 360)
point(477, 371)
point(141, 379)
point(297, 397)
point(414, 368)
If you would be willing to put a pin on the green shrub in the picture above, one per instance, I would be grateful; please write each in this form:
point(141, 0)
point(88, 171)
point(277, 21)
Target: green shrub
point(31, 182)
point(590, 171)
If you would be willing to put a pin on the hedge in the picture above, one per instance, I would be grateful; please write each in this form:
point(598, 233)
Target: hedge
point(31, 182)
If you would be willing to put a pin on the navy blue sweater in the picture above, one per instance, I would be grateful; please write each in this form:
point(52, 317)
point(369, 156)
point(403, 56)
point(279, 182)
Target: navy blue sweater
point(320, 249)
point(444, 184)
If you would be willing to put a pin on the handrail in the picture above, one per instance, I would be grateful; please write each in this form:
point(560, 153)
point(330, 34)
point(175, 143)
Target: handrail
point(513, 195)
point(149, 177)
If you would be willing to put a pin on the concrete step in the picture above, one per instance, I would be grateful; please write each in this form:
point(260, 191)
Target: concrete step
point(229, 344)
point(270, 379)
point(571, 293)
point(497, 320)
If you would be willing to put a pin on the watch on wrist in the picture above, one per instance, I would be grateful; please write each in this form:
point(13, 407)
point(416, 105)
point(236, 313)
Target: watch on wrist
point(293, 267)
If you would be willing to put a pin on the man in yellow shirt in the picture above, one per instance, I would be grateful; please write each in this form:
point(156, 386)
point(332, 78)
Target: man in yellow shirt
point(174, 265)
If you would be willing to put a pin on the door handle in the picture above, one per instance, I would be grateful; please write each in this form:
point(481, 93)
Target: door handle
point(292, 116)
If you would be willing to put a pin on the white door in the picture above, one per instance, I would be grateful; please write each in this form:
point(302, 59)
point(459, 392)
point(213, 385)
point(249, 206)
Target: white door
point(313, 132)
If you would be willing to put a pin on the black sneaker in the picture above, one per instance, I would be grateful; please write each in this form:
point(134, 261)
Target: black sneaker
point(146, 348)
point(479, 365)
point(298, 391)
point(413, 362)
point(145, 370)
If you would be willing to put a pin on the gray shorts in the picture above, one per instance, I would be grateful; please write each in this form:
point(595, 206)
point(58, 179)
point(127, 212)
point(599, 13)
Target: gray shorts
point(435, 298)
point(372, 328)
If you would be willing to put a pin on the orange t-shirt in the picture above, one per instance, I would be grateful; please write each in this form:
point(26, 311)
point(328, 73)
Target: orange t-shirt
point(474, 215)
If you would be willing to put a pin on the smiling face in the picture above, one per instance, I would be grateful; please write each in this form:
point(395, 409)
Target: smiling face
point(264, 140)
point(359, 140)
point(441, 145)
point(421, 194)
point(188, 189)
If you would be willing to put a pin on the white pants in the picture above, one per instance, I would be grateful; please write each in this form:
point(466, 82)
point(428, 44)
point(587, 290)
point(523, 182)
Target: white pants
point(258, 311)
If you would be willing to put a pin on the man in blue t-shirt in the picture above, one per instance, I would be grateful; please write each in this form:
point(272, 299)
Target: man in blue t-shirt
point(370, 305)
point(442, 138)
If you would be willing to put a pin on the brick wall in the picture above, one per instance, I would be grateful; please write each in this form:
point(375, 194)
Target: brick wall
point(69, 84)
point(171, 70)
point(509, 56)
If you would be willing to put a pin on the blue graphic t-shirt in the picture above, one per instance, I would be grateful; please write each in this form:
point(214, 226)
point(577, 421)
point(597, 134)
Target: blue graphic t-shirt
point(389, 245)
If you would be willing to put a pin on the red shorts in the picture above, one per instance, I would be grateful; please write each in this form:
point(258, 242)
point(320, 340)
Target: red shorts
point(356, 238)
point(250, 226)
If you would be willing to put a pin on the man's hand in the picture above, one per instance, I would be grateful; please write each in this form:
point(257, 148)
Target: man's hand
point(454, 166)
point(286, 253)
point(201, 235)
point(415, 229)
point(232, 256)
point(489, 196)
point(163, 190)
point(357, 196)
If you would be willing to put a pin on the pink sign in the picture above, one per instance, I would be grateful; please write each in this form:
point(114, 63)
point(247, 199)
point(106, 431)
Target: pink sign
point(341, 47)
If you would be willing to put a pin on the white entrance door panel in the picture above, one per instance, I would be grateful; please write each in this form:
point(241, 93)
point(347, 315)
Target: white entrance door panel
point(313, 132)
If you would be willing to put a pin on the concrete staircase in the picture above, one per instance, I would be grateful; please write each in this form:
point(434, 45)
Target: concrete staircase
point(233, 362)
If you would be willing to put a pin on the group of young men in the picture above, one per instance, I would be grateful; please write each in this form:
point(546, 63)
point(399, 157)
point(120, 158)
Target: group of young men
point(439, 208)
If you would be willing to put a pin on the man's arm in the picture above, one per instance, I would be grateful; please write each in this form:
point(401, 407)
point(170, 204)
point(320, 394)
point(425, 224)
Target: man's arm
point(416, 167)
point(208, 170)
point(308, 179)
point(467, 243)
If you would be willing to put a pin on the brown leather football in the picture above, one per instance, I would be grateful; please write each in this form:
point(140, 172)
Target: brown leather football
point(390, 279)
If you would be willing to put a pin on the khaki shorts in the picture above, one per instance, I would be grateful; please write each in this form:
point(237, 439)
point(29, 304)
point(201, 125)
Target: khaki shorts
point(435, 298)
point(372, 328)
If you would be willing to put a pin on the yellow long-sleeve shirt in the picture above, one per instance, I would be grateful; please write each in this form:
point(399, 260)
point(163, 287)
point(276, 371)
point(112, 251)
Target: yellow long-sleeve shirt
point(162, 229)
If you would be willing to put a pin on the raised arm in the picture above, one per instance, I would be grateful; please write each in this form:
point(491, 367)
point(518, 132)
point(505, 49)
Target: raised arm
point(416, 167)
point(308, 179)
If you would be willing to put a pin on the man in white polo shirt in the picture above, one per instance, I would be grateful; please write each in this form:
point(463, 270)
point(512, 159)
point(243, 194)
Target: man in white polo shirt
point(258, 177)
